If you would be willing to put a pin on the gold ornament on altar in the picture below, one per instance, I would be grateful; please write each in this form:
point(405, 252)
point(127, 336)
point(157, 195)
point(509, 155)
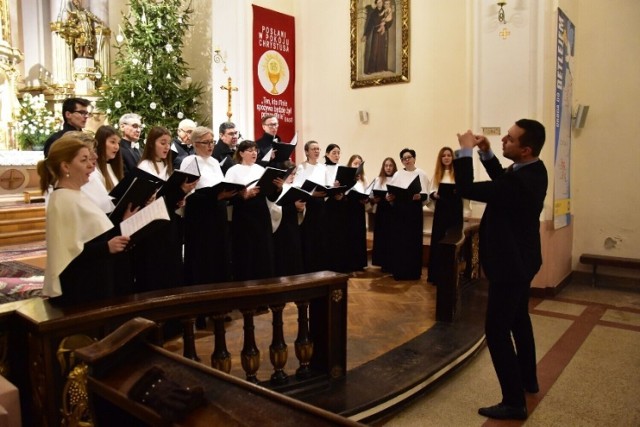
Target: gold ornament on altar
point(79, 29)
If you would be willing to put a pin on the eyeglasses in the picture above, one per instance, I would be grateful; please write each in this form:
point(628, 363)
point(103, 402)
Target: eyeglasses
point(406, 158)
point(83, 113)
point(231, 134)
point(272, 125)
point(134, 125)
point(188, 132)
point(210, 142)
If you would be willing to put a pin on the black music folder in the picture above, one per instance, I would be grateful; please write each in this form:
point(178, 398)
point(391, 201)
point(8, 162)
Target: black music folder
point(189, 174)
point(139, 192)
point(267, 187)
point(404, 190)
point(293, 195)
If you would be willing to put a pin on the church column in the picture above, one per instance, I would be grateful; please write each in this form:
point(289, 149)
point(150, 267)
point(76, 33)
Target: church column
point(61, 67)
point(100, 8)
point(33, 27)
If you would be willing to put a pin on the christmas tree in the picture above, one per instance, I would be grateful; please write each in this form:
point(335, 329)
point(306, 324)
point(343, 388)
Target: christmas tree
point(152, 79)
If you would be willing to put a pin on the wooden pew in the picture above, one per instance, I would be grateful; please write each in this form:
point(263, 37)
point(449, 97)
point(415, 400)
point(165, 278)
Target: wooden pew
point(609, 261)
point(44, 337)
point(117, 362)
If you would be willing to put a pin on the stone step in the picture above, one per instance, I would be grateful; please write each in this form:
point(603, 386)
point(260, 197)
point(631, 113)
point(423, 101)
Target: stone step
point(19, 237)
point(22, 224)
point(22, 212)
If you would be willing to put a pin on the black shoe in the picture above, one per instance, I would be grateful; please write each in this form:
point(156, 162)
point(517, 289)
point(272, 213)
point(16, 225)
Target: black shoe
point(504, 412)
point(533, 388)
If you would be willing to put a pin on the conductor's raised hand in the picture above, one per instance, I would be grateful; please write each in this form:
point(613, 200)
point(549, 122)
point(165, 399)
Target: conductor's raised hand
point(467, 139)
point(483, 143)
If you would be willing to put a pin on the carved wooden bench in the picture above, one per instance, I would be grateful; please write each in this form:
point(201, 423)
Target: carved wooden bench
point(610, 261)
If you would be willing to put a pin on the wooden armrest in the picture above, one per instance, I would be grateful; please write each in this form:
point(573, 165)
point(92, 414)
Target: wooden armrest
point(135, 328)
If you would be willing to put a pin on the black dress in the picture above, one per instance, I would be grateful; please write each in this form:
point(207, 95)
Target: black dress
point(90, 276)
point(288, 243)
point(382, 234)
point(251, 231)
point(356, 233)
point(407, 217)
point(447, 214)
point(157, 257)
point(207, 239)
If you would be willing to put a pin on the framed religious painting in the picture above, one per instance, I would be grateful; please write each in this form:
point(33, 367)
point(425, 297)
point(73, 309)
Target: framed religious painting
point(379, 42)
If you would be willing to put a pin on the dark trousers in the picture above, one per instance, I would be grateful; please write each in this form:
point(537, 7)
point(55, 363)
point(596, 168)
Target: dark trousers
point(507, 316)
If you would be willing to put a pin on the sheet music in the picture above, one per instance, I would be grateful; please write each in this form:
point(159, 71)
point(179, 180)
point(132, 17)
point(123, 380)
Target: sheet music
point(154, 211)
point(192, 168)
point(267, 156)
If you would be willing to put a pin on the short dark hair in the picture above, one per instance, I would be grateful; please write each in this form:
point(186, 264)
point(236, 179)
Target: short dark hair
point(267, 117)
point(226, 125)
point(330, 148)
point(533, 136)
point(69, 105)
point(408, 150)
point(242, 147)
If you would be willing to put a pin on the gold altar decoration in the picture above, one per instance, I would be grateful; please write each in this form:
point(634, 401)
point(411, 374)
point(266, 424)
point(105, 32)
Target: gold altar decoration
point(79, 29)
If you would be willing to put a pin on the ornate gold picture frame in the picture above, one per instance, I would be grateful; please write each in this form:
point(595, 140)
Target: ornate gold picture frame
point(379, 42)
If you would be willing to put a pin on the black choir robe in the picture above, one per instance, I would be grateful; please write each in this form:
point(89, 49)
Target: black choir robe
point(288, 244)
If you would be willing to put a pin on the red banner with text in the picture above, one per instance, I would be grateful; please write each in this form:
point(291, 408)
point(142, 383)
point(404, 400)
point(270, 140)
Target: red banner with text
point(274, 70)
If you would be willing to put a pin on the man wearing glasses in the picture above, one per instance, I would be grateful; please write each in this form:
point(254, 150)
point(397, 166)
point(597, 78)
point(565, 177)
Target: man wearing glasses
point(75, 112)
point(130, 125)
point(265, 143)
point(225, 148)
point(182, 146)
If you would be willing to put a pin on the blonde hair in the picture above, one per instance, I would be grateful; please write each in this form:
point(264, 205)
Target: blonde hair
point(63, 150)
point(439, 171)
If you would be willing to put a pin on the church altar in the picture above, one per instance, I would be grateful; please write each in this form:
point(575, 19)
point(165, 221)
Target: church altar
point(18, 171)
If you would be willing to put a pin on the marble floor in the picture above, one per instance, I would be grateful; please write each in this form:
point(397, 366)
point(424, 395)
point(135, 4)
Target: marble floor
point(588, 351)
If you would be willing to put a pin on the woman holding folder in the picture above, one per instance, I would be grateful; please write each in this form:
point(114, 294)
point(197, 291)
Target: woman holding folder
point(336, 216)
point(79, 256)
point(252, 250)
point(158, 258)
point(448, 208)
point(407, 202)
point(108, 171)
point(286, 216)
point(313, 227)
point(383, 223)
point(207, 235)
point(357, 202)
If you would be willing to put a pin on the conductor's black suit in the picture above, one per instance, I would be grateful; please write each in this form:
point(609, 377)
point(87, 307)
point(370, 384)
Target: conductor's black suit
point(510, 255)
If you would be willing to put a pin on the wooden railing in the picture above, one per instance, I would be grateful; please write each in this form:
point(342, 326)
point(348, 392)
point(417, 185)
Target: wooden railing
point(38, 339)
point(43, 336)
point(461, 266)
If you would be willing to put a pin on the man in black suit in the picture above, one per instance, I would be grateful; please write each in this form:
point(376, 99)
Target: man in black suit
point(265, 143)
point(181, 145)
point(225, 148)
point(510, 253)
point(130, 125)
point(75, 112)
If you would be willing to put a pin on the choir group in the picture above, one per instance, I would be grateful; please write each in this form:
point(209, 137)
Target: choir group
point(226, 224)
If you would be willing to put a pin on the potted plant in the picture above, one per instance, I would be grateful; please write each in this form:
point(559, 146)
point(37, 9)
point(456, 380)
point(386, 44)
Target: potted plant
point(36, 123)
